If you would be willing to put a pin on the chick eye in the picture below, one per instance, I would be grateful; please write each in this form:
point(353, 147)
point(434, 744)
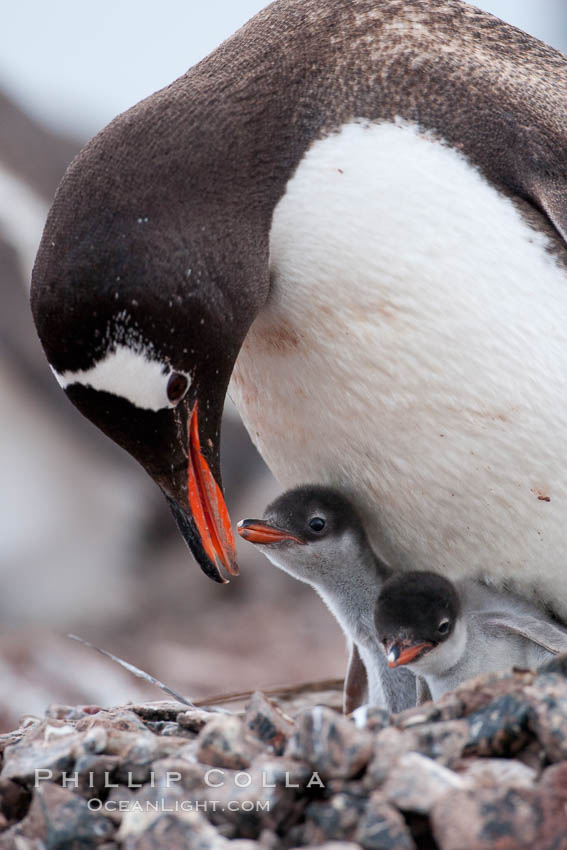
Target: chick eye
point(176, 387)
point(317, 524)
point(443, 627)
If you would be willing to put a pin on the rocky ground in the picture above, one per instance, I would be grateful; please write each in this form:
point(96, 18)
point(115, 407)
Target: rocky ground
point(484, 767)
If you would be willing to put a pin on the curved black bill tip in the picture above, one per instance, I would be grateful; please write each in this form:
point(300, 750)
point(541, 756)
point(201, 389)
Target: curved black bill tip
point(191, 536)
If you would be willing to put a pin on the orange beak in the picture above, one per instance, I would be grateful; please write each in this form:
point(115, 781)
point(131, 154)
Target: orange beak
point(207, 505)
point(258, 531)
point(400, 653)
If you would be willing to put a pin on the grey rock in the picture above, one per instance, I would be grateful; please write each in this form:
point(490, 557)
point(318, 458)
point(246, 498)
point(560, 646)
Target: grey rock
point(506, 818)
point(336, 845)
point(382, 827)
point(268, 840)
point(151, 831)
point(14, 801)
point(224, 742)
point(174, 772)
point(444, 741)
point(194, 719)
point(158, 710)
point(95, 740)
point(22, 760)
point(138, 750)
point(9, 738)
point(416, 783)
point(448, 707)
point(502, 728)
point(371, 718)
point(61, 819)
point(498, 773)
point(71, 713)
point(479, 692)
point(174, 787)
point(170, 729)
point(91, 773)
point(335, 819)
point(389, 745)
point(266, 796)
point(286, 772)
point(117, 720)
point(548, 699)
point(554, 780)
point(10, 841)
point(136, 758)
point(268, 723)
point(124, 796)
point(330, 743)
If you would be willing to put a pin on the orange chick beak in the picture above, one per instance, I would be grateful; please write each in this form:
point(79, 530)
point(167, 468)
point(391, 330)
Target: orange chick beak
point(400, 652)
point(258, 531)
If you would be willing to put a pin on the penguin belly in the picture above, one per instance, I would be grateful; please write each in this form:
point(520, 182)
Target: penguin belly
point(413, 351)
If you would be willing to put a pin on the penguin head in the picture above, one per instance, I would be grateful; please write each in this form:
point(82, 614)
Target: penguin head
point(142, 311)
point(310, 532)
point(417, 619)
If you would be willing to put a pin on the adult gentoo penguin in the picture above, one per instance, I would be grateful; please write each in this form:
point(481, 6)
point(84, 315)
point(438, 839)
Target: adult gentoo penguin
point(355, 210)
point(315, 534)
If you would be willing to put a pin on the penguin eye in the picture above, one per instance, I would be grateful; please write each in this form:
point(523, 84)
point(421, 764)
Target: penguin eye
point(443, 628)
point(317, 524)
point(176, 387)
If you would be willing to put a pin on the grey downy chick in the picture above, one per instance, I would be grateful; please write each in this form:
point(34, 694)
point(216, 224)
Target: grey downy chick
point(449, 632)
point(315, 534)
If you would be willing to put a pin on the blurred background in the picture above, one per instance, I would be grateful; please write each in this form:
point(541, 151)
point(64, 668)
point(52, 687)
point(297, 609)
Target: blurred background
point(86, 542)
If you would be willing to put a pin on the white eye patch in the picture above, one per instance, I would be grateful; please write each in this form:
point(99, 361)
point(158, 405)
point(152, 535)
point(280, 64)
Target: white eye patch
point(132, 375)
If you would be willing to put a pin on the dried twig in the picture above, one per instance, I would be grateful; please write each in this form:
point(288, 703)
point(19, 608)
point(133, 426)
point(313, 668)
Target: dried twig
point(218, 699)
point(281, 691)
point(140, 674)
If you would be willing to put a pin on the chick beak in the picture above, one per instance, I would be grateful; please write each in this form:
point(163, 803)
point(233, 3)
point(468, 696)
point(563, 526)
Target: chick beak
point(400, 652)
point(259, 531)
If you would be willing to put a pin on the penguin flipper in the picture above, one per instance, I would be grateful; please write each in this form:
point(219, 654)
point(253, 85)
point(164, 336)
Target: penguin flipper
point(423, 694)
point(356, 682)
point(541, 632)
point(551, 195)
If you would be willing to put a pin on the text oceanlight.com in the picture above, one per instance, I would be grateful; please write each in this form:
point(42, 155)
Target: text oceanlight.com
point(95, 804)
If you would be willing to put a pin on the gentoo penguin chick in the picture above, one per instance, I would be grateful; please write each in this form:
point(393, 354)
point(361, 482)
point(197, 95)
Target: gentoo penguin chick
point(315, 534)
point(447, 633)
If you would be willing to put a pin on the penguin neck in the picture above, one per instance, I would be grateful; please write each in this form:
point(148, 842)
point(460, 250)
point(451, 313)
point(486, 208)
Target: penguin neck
point(351, 593)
